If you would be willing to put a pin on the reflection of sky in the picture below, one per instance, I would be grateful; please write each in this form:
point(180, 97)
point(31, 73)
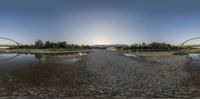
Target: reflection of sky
point(100, 21)
point(195, 56)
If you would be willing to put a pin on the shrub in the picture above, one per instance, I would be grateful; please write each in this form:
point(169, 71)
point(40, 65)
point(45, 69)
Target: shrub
point(180, 53)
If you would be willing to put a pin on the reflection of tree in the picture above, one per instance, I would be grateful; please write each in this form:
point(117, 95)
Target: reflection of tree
point(38, 56)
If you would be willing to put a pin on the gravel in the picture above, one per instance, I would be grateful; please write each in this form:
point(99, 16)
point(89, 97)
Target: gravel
point(106, 74)
point(155, 76)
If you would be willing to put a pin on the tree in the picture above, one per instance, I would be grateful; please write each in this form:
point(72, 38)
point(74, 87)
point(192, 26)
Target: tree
point(39, 44)
point(62, 44)
point(144, 45)
point(47, 44)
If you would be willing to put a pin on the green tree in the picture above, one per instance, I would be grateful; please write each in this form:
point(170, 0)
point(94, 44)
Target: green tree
point(62, 44)
point(144, 45)
point(39, 44)
point(47, 44)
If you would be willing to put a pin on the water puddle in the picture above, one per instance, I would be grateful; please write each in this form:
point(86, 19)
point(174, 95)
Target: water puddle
point(130, 53)
point(194, 68)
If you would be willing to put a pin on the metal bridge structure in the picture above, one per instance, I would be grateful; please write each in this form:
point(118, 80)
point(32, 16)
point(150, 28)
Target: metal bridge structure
point(191, 46)
point(9, 46)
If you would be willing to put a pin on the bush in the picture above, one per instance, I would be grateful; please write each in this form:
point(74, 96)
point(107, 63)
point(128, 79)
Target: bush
point(180, 53)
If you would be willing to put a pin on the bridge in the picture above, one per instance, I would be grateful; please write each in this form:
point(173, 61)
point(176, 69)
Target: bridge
point(197, 46)
point(9, 46)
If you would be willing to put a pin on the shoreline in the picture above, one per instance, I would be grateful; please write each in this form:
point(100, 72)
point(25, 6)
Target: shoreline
point(43, 51)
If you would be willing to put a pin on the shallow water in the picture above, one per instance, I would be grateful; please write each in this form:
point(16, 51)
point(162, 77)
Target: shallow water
point(20, 59)
point(194, 68)
point(21, 70)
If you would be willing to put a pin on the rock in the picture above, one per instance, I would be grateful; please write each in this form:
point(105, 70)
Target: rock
point(91, 88)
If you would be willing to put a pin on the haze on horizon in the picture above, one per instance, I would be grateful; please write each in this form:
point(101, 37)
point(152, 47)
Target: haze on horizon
point(100, 21)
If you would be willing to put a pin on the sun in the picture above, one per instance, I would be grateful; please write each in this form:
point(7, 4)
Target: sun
point(100, 41)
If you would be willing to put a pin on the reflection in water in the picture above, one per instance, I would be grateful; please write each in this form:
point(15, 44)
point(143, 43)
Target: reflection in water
point(65, 59)
point(7, 57)
point(195, 68)
point(39, 56)
point(28, 70)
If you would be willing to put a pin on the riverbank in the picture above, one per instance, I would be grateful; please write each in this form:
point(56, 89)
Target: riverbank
point(43, 51)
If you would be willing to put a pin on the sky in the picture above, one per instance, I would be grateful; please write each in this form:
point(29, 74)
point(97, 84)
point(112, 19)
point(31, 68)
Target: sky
point(100, 21)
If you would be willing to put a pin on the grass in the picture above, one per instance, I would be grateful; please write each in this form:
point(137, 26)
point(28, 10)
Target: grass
point(180, 53)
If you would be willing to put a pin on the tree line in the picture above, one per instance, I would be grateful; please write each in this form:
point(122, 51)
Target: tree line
point(39, 44)
point(154, 46)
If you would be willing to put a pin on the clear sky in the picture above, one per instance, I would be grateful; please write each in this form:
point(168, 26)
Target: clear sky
point(100, 21)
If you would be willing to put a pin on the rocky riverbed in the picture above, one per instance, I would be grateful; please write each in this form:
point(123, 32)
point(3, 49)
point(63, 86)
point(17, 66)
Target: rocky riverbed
point(153, 75)
point(103, 74)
